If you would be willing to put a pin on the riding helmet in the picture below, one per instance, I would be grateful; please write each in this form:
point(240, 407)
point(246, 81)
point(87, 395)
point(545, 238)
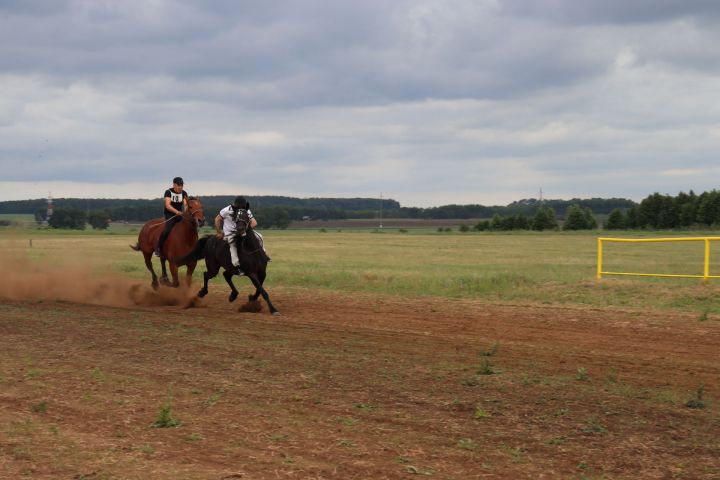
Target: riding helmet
point(239, 203)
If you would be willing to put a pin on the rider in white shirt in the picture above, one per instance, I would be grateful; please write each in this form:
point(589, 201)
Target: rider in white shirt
point(226, 227)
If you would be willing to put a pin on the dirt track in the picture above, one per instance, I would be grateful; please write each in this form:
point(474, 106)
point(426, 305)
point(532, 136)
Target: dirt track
point(355, 386)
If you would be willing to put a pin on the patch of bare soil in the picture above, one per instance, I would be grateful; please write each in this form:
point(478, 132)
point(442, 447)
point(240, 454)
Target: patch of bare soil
point(354, 386)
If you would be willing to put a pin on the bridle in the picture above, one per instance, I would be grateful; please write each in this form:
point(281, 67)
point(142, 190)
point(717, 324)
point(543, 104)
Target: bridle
point(196, 214)
point(240, 218)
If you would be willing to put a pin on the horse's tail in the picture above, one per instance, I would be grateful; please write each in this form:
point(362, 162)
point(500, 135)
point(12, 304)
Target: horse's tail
point(197, 253)
point(136, 247)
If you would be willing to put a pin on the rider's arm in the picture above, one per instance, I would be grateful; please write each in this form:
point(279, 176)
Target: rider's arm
point(218, 224)
point(253, 223)
point(170, 207)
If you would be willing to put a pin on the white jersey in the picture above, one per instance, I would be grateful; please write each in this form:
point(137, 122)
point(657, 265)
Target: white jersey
point(229, 225)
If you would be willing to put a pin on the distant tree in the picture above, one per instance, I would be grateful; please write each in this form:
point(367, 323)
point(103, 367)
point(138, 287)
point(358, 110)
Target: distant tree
point(659, 211)
point(575, 218)
point(496, 222)
point(99, 219)
point(40, 214)
point(482, 226)
point(590, 221)
point(544, 219)
point(708, 210)
point(72, 218)
point(273, 217)
point(617, 220)
point(463, 228)
point(633, 218)
point(522, 222)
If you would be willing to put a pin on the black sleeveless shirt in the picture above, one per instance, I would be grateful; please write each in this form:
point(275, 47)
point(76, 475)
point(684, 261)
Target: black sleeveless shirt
point(176, 200)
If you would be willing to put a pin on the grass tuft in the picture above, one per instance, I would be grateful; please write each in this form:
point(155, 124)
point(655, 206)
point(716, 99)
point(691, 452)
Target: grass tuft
point(165, 419)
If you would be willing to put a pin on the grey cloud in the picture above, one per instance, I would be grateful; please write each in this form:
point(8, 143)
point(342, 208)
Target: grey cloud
point(612, 11)
point(312, 97)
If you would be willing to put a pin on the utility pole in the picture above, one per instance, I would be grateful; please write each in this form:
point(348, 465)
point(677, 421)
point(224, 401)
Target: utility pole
point(381, 208)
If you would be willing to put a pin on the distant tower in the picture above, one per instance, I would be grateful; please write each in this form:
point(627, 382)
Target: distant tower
point(381, 208)
point(49, 208)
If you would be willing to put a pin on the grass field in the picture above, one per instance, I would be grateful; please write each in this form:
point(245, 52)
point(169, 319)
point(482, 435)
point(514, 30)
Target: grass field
point(525, 267)
point(398, 355)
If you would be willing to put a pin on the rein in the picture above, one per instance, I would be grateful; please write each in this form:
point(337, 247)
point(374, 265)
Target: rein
point(242, 244)
point(187, 213)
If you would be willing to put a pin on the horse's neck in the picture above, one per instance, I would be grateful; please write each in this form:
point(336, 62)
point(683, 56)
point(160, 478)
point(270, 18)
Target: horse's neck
point(250, 240)
point(188, 222)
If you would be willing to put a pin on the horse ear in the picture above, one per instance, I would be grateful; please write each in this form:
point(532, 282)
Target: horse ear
point(247, 205)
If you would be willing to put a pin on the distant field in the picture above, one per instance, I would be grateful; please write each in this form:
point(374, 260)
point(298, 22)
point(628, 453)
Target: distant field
point(18, 217)
point(523, 267)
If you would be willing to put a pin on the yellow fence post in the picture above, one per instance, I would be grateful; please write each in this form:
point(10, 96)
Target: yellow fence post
point(599, 260)
point(706, 270)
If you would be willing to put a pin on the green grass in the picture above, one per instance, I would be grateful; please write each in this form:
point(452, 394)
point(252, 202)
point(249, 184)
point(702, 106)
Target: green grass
point(556, 268)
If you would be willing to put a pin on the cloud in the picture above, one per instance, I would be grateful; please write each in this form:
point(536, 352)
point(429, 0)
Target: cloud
point(429, 102)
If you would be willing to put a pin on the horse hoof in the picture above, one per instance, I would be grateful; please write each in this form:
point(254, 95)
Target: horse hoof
point(232, 296)
point(165, 281)
point(202, 293)
point(155, 286)
point(276, 314)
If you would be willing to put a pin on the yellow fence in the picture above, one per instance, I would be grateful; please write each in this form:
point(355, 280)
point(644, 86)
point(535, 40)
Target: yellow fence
point(706, 268)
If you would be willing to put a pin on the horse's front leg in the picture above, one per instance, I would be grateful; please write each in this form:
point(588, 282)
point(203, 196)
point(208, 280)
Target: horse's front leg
point(149, 265)
point(228, 278)
point(163, 277)
point(261, 279)
point(256, 281)
point(174, 273)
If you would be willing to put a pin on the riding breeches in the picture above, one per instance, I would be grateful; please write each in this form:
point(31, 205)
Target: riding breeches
point(232, 243)
point(169, 224)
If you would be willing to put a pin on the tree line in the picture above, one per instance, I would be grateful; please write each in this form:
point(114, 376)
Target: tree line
point(576, 218)
point(141, 210)
point(661, 212)
point(657, 211)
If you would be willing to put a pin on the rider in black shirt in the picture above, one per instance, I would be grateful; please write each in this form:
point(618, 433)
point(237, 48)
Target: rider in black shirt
point(175, 203)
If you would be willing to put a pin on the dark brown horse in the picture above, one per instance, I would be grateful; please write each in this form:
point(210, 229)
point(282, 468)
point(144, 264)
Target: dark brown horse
point(216, 252)
point(181, 240)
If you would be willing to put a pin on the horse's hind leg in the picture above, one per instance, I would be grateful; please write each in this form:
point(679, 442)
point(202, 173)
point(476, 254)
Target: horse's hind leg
point(149, 265)
point(189, 272)
point(263, 292)
point(228, 278)
point(212, 270)
point(204, 290)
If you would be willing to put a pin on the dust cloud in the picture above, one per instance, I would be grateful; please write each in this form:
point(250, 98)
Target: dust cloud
point(76, 281)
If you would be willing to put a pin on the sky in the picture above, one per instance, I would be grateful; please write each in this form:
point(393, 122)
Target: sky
point(428, 102)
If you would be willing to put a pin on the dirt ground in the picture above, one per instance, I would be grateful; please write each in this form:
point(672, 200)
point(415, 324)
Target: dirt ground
point(355, 386)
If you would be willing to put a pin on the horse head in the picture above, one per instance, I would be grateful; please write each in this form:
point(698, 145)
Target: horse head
point(242, 221)
point(196, 212)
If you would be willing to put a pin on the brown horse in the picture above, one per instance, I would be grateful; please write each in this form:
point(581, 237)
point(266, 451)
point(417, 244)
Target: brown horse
point(181, 240)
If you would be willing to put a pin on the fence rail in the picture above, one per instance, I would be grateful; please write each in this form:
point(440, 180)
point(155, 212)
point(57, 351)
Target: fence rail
point(706, 267)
